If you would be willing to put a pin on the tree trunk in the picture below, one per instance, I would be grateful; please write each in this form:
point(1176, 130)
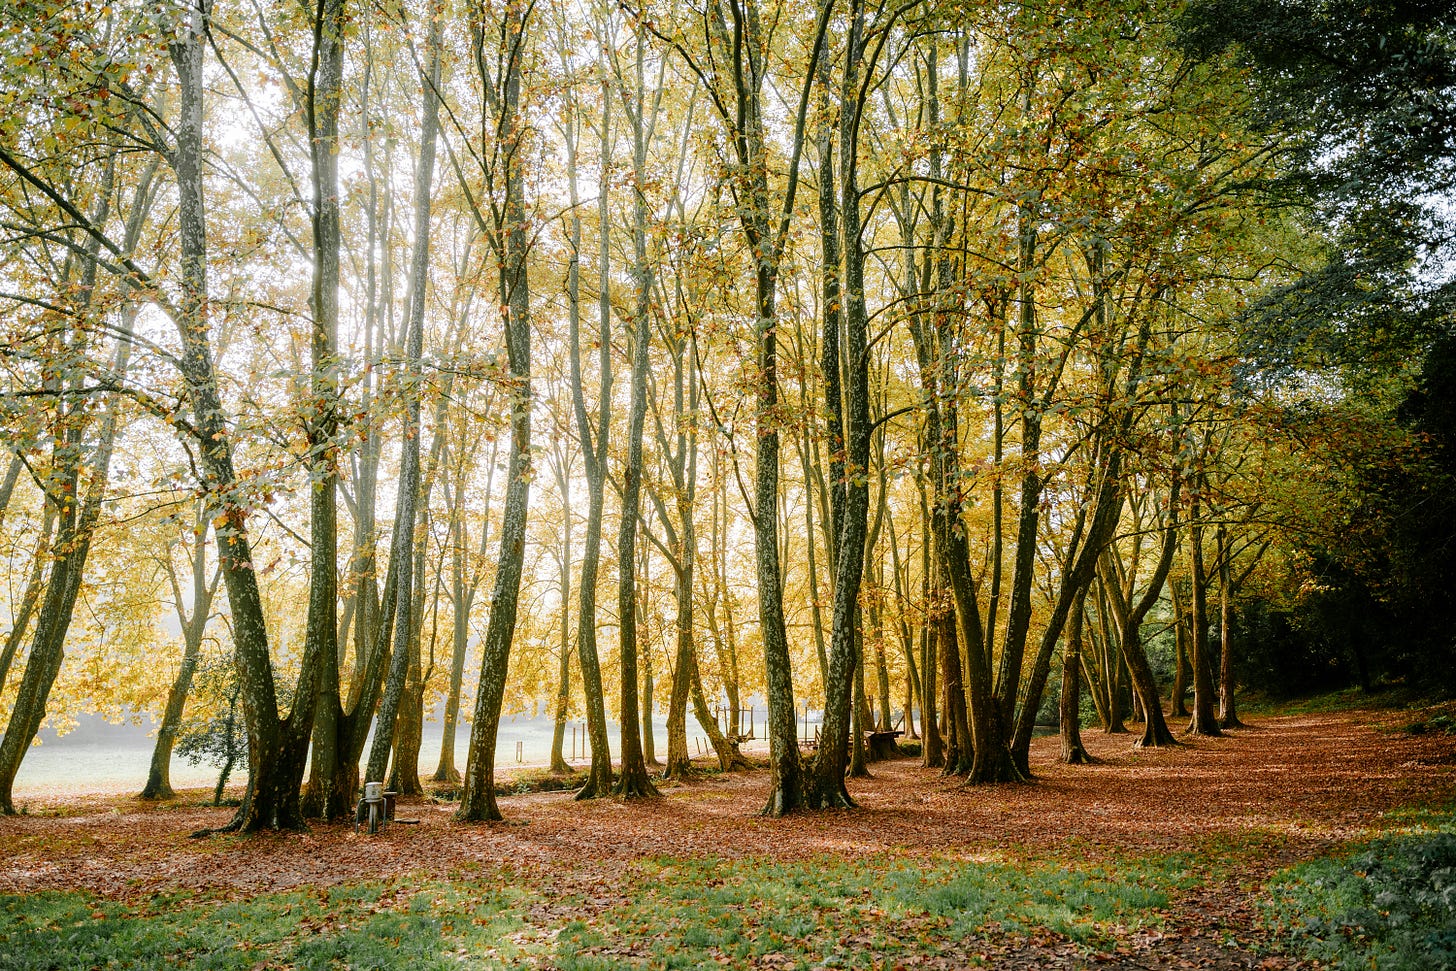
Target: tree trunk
point(932, 752)
point(1069, 707)
point(35, 583)
point(1204, 720)
point(322, 632)
point(478, 798)
point(594, 450)
point(1180, 653)
point(194, 625)
point(1228, 712)
point(633, 781)
point(846, 656)
point(408, 505)
point(563, 671)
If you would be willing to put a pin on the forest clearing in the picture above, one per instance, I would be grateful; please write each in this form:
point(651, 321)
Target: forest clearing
point(926, 373)
point(1145, 859)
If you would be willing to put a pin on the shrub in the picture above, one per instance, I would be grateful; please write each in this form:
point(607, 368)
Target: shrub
point(1391, 905)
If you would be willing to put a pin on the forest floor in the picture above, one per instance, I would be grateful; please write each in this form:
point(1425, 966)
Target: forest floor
point(1147, 859)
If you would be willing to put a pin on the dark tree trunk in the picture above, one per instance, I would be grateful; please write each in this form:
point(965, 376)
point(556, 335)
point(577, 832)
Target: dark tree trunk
point(932, 752)
point(594, 450)
point(1204, 720)
point(1180, 653)
point(1228, 712)
point(477, 801)
point(1069, 707)
point(408, 508)
point(846, 657)
point(633, 781)
point(959, 745)
point(194, 625)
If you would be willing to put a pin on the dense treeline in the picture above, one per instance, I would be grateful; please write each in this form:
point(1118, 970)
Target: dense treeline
point(888, 360)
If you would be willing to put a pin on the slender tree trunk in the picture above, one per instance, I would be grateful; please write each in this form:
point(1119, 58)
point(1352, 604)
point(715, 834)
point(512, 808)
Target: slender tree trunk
point(594, 450)
point(959, 743)
point(1204, 720)
point(1228, 712)
point(194, 625)
point(933, 751)
point(35, 583)
point(1070, 702)
point(633, 781)
point(846, 656)
point(1181, 637)
point(1155, 728)
point(1018, 614)
point(322, 631)
point(563, 673)
point(460, 599)
point(407, 508)
point(478, 798)
point(685, 475)
point(404, 772)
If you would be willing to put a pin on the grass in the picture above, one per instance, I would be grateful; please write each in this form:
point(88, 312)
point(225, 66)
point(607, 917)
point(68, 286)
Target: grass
point(360, 926)
point(1389, 697)
point(1387, 903)
point(662, 913)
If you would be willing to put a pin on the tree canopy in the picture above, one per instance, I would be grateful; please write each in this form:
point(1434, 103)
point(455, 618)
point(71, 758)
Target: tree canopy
point(902, 349)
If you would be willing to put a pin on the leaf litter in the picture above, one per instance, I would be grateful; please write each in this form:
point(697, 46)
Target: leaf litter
point(1237, 808)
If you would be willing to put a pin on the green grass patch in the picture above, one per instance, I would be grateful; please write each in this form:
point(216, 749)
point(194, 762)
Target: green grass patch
point(360, 926)
point(869, 912)
point(1389, 903)
point(664, 913)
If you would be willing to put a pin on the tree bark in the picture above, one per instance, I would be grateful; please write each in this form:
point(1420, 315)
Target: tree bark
point(511, 240)
point(594, 451)
point(562, 467)
point(194, 625)
point(1069, 707)
point(322, 632)
point(408, 504)
point(633, 781)
point(1204, 720)
point(1228, 712)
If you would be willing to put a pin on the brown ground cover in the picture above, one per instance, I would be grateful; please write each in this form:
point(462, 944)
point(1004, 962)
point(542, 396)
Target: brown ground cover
point(1287, 789)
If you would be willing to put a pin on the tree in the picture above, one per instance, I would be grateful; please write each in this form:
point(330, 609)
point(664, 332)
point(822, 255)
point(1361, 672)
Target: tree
point(499, 71)
point(733, 73)
point(194, 611)
point(408, 509)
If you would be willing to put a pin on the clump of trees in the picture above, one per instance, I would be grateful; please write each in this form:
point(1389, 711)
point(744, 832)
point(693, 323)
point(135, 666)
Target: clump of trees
point(906, 348)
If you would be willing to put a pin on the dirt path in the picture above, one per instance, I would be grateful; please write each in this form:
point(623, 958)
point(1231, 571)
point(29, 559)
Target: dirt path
point(1285, 790)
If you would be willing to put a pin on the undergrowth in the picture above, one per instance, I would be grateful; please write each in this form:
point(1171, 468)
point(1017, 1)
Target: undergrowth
point(1389, 903)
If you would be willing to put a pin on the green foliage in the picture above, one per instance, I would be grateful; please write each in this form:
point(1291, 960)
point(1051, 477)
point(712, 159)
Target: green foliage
point(1390, 905)
point(215, 733)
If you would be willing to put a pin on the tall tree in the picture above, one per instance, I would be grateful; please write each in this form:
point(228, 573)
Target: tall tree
point(408, 504)
point(642, 117)
point(499, 50)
